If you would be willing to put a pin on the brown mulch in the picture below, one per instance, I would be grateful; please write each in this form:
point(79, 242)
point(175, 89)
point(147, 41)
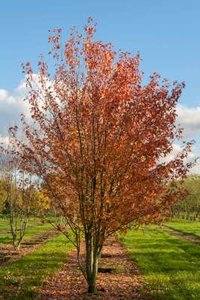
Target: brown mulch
point(8, 254)
point(124, 281)
point(182, 236)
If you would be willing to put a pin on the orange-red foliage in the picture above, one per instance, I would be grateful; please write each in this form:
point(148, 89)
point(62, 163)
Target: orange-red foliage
point(100, 135)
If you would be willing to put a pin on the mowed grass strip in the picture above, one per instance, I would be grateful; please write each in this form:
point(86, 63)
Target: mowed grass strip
point(185, 227)
point(23, 278)
point(170, 267)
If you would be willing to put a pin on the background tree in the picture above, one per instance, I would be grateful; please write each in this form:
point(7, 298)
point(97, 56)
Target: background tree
point(18, 192)
point(189, 208)
point(97, 138)
point(2, 196)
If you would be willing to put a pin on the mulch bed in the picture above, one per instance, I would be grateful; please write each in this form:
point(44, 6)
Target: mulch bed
point(119, 278)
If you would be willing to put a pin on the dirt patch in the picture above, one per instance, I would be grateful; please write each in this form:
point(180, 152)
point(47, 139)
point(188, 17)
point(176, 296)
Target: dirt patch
point(106, 270)
point(123, 282)
point(182, 236)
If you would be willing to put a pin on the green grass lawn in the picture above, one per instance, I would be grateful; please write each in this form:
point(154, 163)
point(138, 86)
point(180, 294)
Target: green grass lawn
point(186, 227)
point(4, 223)
point(35, 227)
point(22, 279)
point(170, 266)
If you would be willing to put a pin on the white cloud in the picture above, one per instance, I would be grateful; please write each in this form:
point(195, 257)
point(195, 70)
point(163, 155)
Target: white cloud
point(4, 140)
point(192, 157)
point(189, 119)
point(12, 104)
point(3, 94)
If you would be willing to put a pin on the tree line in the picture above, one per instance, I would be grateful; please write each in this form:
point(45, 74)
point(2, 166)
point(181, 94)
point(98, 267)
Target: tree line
point(189, 207)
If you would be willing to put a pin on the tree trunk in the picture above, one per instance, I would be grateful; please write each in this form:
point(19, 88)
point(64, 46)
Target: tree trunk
point(91, 265)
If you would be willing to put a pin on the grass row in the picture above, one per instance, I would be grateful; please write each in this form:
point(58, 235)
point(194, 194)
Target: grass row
point(186, 227)
point(171, 267)
point(22, 279)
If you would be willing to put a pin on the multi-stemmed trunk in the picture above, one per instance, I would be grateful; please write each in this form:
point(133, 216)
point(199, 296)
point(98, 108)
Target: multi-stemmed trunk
point(18, 230)
point(92, 255)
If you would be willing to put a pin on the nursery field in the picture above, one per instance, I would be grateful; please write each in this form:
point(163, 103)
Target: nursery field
point(168, 265)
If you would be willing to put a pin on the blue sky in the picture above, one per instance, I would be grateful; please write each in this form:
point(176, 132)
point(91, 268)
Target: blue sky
point(167, 34)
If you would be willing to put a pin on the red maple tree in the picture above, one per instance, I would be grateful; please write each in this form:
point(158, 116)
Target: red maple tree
point(98, 138)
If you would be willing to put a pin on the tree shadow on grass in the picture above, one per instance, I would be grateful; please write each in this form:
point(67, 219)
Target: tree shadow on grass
point(170, 266)
point(21, 279)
